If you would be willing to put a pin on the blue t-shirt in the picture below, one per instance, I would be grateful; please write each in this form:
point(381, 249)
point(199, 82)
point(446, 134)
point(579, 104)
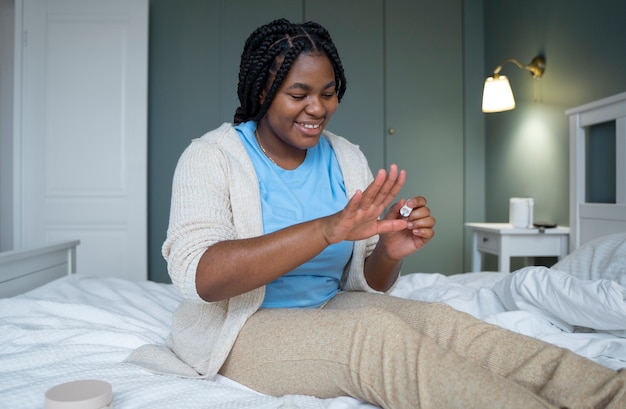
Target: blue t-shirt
point(314, 189)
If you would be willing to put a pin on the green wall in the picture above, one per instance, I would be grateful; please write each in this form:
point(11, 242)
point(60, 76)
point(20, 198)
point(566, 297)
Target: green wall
point(527, 149)
point(523, 152)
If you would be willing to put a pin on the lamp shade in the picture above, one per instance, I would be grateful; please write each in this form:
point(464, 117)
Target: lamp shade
point(497, 94)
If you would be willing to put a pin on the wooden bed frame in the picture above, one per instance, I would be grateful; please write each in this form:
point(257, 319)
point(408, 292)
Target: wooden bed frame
point(591, 220)
point(22, 270)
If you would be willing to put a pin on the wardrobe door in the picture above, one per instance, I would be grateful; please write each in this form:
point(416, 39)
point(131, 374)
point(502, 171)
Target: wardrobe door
point(424, 107)
point(404, 104)
point(359, 40)
point(184, 103)
point(238, 19)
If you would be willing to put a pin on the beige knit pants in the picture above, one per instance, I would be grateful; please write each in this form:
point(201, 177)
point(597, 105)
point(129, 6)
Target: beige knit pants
point(398, 353)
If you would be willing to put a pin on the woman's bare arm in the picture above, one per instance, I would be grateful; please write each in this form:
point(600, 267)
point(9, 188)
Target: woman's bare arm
point(233, 267)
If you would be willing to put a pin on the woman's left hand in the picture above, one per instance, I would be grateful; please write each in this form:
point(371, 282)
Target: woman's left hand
point(419, 231)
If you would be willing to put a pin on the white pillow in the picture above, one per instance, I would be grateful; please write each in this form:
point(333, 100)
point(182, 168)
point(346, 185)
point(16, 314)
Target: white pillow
point(601, 258)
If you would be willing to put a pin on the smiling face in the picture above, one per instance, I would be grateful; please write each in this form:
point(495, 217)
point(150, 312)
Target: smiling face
point(300, 110)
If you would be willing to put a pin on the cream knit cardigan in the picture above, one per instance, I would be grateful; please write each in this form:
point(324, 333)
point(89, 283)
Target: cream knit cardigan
point(215, 197)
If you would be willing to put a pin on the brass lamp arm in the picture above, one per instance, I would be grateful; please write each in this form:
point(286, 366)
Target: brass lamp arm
point(536, 67)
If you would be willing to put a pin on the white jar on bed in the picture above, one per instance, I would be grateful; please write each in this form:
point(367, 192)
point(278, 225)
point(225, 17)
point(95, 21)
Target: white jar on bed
point(81, 394)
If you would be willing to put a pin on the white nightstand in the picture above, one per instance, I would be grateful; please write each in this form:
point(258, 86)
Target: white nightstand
point(505, 241)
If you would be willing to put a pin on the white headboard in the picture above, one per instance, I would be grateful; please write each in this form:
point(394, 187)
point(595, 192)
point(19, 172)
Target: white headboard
point(591, 220)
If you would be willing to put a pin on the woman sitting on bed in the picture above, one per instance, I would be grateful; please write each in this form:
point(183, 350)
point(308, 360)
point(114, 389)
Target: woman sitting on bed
point(279, 241)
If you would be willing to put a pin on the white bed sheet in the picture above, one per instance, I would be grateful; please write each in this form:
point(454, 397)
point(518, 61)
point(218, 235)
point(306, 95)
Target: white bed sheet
point(83, 328)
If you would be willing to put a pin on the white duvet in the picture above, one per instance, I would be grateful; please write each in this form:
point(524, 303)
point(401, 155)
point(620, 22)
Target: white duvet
point(83, 328)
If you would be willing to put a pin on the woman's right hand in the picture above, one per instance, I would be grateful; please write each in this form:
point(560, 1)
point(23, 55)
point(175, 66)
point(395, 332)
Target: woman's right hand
point(360, 219)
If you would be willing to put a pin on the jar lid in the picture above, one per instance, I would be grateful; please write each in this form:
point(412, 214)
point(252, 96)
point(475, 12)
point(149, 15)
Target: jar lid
point(83, 394)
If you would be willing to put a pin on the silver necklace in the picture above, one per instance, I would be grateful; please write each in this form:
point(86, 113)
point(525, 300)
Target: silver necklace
point(256, 135)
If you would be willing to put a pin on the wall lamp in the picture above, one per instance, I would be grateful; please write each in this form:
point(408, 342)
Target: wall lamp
point(497, 93)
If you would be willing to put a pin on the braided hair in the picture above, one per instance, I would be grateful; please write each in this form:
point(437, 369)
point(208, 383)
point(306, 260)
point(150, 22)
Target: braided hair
point(268, 55)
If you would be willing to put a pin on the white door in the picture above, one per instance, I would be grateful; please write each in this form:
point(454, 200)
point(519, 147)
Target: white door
point(82, 131)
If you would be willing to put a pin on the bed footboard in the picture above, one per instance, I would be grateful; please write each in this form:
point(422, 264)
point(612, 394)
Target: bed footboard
point(23, 270)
